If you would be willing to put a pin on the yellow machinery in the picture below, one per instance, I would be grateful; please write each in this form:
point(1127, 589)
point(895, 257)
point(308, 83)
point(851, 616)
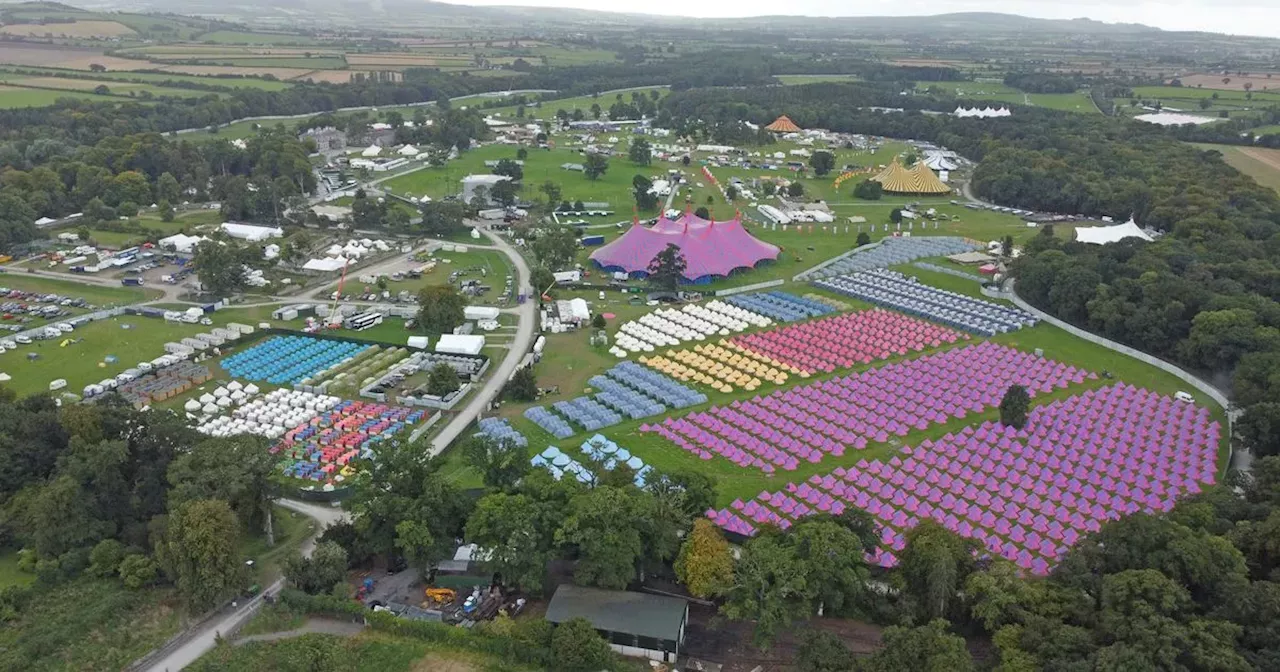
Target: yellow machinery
point(442, 595)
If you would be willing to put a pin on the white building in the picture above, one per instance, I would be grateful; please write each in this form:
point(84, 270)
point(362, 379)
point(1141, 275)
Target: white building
point(251, 233)
point(181, 243)
point(471, 182)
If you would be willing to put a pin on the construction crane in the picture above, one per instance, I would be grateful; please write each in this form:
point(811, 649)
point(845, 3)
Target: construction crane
point(333, 310)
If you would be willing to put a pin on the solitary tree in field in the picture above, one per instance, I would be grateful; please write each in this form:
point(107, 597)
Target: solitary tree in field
point(667, 268)
point(595, 166)
point(1014, 407)
point(822, 163)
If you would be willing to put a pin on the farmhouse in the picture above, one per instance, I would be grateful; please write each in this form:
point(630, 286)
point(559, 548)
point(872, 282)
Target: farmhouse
point(634, 624)
point(327, 138)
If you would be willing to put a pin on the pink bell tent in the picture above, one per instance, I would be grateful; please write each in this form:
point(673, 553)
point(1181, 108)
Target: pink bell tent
point(711, 249)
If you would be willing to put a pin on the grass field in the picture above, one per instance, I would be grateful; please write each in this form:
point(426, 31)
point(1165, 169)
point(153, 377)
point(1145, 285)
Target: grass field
point(89, 29)
point(12, 97)
point(239, 37)
point(90, 625)
point(999, 92)
point(1259, 163)
point(547, 108)
point(78, 363)
point(117, 88)
point(271, 62)
point(157, 78)
point(366, 652)
point(95, 294)
point(569, 361)
point(792, 80)
point(1265, 130)
point(9, 573)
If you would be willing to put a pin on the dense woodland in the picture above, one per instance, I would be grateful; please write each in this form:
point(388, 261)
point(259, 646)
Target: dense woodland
point(1203, 295)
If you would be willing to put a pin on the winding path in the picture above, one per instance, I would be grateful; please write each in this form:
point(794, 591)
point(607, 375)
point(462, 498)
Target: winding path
point(190, 645)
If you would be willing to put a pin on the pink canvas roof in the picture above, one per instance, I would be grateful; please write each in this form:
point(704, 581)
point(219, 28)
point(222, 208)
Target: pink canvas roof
point(710, 248)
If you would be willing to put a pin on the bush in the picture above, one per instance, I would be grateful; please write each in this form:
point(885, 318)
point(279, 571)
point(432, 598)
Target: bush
point(105, 558)
point(598, 321)
point(137, 571)
point(864, 238)
point(578, 648)
point(868, 190)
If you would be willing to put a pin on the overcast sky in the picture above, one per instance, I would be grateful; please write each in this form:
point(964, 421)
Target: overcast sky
point(1241, 17)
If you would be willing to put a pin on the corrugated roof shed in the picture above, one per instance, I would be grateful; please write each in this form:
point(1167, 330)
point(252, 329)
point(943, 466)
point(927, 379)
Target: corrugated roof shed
point(655, 616)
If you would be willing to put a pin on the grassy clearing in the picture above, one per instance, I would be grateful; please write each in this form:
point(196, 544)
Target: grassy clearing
point(546, 109)
point(272, 618)
point(366, 652)
point(83, 363)
point(88, 624)
point(101, 296)
point(1167, 93)
point(1266, 130)
point(242, 37)
point(130, 89)
point(1259, 163)
point(290, 528)
point(10, 575)
point(13, 97)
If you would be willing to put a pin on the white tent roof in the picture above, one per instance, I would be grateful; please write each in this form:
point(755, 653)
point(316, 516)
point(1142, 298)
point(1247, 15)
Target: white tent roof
point(326, 264)
point(408, 150)
point(371, 150)
point(1101, 235)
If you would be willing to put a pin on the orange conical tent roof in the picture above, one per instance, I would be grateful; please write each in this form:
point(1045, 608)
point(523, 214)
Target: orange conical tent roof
point(783, 124)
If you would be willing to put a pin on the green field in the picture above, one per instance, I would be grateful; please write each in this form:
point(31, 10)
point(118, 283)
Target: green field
point(78, 363)
point(88, 624)
point(10, 575)
point(1265, 130)
point(366, 652)
point(1250, 161)
point(158, 78)
point(546, 109)
point(264, 62)
point(1191, 93)
point(792, 80)
point(95, 294)
point(256, 39)
point(12, 97)
point(999, 92)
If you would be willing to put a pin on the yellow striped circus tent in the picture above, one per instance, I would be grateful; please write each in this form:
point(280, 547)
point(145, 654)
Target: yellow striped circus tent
point(915, 180)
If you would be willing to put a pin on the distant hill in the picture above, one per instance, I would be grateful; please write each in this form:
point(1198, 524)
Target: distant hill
point(408, 14)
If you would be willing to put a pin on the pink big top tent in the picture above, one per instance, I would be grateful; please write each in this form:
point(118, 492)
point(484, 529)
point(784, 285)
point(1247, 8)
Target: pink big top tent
point(711, 249)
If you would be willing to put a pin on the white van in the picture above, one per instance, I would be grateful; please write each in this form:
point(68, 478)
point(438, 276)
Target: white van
point(1184, 397)
point(23, 339)
point(64, 327)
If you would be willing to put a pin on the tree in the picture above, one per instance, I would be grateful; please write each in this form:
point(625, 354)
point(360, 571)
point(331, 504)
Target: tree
point(603, 528)
point(642, 189)
point(510, 169)
point(795, 189)
point(821, 651)
point(440, 309)
point(595, 110)
point(732, 192)
point(640, 152)
point(505, 193)
point(220, 266)
point(442, 380)
point(102, 89)
point(832, 556)
point(927, 648)
point(442, 219)
point(705, 563)
point(868, 190)
point(769, 585)
point(555, 247)
point(933, 567)
point(518, 533)
point(702, 213)
point(552, 192)
point(167, 188)
point(523, 386)
point(198, 550)
point(895, 215)
point(166, 211)
point(598, 321)
point(1014, 406)
point(522, 154)
point(501, 463)
point(1006, 247)
point(318, 574)
point(237, 470)
point(666, 270)
point(822, 162)
point(595, 166)
point(1259, 428)
point(577, 647)
point(864, 238)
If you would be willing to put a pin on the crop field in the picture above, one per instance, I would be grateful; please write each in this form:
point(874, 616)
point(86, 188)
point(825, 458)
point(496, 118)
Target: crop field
point(238, 37)
point(56, 56)
point(122, 88)
point(109, 78)
point(1260, 82)
point(215, 70)
point(321, 63)
point(1262, 164)
point(73, 29)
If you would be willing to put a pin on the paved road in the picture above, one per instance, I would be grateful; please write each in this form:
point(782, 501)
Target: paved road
point(323, 626)
point(201, 639)
point(525, 333)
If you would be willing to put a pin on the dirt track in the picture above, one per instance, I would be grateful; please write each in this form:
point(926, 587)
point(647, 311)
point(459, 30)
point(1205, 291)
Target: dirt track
point(1270, 157)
